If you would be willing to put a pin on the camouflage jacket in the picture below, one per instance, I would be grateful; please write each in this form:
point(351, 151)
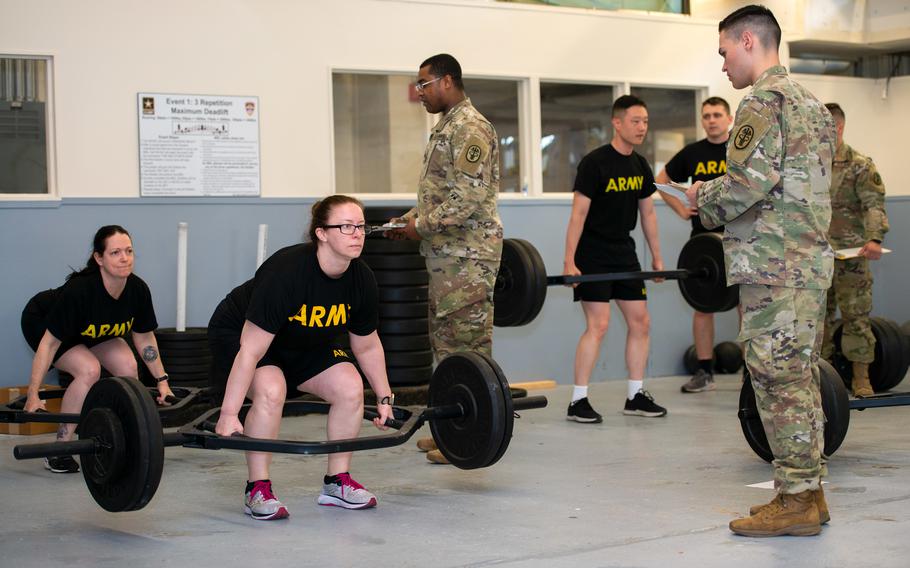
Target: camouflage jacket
point(857, 200)
point(775, 197)
point(459, 185)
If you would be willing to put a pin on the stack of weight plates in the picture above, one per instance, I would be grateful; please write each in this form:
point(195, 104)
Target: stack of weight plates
point(185, 355)
point(402, 278)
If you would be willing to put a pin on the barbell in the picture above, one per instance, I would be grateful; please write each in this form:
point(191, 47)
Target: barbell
point(522, 281)
point(470, 411)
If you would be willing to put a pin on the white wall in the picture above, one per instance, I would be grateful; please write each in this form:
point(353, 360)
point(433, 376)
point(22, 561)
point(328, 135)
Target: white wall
point(106, 51)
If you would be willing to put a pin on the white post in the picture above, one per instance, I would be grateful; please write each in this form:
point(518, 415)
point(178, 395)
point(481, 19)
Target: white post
point(262, 245)
point(182, 229)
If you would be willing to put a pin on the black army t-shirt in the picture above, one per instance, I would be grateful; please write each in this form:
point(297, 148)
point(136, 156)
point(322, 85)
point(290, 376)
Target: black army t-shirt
point(702, 161)
point(84, 312)
point(615, 183)
point(291, 297)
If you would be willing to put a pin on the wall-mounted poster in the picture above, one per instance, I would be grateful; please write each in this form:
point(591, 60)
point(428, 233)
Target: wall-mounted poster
point(198, 145)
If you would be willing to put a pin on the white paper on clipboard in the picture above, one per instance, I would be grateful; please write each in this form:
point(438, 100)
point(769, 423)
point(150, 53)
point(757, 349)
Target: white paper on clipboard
point(844, 254)
point(674, 190)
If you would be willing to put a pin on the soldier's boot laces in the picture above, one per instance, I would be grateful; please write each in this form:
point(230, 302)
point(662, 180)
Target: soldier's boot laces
point(823, 515)
point(861, 385)
point(794, 515)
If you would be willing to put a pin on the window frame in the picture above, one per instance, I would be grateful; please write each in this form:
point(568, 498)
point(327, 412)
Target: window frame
point(50, 130)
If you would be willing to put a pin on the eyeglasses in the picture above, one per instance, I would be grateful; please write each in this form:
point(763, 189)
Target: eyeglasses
point(421, 85)
point(349, 229)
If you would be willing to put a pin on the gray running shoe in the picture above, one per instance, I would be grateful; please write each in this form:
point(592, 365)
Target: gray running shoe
point(700, 382)
point(261, 504)
point(347, 493)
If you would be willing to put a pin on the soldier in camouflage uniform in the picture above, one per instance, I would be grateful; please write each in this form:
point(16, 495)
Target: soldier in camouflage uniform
point(456, 217)
point(774, 200)
point(858, 219)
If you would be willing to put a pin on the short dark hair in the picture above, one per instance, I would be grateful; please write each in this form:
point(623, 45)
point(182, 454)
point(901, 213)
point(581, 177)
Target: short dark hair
point(319, 213)
point(444, 64)
point(716, 101)
point(756, 18)
point(836, 111)
point(624, 103)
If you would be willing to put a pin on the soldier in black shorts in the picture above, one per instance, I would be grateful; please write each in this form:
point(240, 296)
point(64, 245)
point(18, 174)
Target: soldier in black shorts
point(81, 326)
point(701, 161)
point(275, 333)
point(613, 186)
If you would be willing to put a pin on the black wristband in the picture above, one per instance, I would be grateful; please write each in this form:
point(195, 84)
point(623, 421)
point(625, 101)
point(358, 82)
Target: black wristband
point(162, 379)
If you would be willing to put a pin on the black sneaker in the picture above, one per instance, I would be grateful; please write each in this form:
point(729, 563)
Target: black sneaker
point(643, 405)
point(61, 464)
point(581, 411)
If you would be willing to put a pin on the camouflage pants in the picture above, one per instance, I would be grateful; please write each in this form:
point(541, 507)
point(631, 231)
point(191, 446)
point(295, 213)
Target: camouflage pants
point(461, 304)
point(781, 341)
point(851, 291)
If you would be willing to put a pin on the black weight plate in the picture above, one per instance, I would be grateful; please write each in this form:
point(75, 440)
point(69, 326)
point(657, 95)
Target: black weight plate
point(107, 463)
point(898, 354)
point(181, 370)
point(706, 293)
point(143, 455)
point(399, 310)
point(473, 440)
point(835, 403)
point(388, 246)
point(402, 277)
point(518, 289)
point(409, 358)
point(405, 342)
point(410, 375)
point(395, 261)
point(191, 334)
point(403, 294)
point(539, 272)
point(881, 368)
point(728, 357)
point(508, 409)
point(906, 328)
point(403, 326)
point(690, 360)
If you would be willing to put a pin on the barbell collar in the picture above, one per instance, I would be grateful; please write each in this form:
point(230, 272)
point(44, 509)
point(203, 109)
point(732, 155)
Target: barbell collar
point(55, 449)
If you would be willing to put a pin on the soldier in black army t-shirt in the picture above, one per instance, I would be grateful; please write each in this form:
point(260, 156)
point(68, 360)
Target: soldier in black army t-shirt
point(613, 185)
point(81, 326)
point(275, 333)
point(701, 161)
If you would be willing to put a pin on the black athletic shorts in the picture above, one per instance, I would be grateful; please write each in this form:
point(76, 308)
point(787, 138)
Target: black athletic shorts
point(33, 322)
point(611, 257)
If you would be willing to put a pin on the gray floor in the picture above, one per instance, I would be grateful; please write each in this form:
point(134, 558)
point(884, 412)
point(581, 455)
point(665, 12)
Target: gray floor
point(628, 492)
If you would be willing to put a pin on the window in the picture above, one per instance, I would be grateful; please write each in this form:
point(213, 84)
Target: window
point(23, 125)
point(381, 130)
point(672, 123)
point(575, 119)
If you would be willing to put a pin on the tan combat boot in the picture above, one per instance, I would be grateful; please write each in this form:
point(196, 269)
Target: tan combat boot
point(861, 385)
point(426, 444)
point(823, 515)
point(795, 515)
point(436, 456)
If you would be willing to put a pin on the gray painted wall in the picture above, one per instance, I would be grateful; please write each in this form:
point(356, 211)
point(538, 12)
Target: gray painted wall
point(39, 241)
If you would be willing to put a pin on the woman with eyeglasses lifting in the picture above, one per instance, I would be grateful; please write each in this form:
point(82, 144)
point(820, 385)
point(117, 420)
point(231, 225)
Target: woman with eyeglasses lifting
point(276, 334)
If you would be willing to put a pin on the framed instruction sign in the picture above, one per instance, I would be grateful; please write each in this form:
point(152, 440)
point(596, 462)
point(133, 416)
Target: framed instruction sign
point(198, 145)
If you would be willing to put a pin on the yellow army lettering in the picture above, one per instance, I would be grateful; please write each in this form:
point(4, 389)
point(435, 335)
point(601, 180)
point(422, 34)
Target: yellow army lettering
point(625, 184)
point(711, 167)
point(339, 353)
point(337, 315)
point(108, 330)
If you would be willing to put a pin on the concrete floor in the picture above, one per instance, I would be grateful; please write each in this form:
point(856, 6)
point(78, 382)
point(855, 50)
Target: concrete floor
point(628, 492)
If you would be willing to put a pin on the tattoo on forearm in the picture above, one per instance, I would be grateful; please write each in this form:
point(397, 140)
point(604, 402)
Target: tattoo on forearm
point(149, 354)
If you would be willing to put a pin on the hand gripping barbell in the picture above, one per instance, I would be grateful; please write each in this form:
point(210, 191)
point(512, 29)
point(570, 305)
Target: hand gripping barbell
point(470, 411)
point(521, 285)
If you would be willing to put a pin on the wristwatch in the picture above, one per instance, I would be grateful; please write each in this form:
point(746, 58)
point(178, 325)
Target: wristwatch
point(162, 378)
point(390, 400)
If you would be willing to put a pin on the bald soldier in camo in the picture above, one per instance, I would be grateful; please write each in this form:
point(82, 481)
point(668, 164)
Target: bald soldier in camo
point(456, 217)
point(774, 199)
point(858, 219)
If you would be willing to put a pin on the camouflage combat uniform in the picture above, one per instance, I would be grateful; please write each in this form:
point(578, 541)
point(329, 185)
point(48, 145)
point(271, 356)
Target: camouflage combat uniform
point(458, 220)
point(857, 217)
point(775, 202)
